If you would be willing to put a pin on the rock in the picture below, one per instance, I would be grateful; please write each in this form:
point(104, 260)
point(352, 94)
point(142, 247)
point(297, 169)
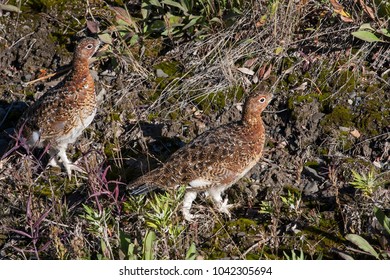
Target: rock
point(161, 74)
point(312, 173)
point(310, 188)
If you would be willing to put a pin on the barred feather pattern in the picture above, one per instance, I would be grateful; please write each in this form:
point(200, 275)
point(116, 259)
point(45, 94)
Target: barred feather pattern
point(61, 114)
point(213, 161)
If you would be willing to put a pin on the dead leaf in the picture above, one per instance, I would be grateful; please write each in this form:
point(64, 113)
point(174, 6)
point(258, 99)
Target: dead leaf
point(262, 21)
point(346, 19)
point(9, 8)
point(122, 14)
point(355, 133)
point(261, 71)
point(246, 71)
point(255, 79)
point(93, 26)
point(247, 81)
point(367, 9)
point(336, 5)
point(339, 9)
point(250, 62)
point(268, 72)
point(42, 73)
point(264, 72)
point(303, 86)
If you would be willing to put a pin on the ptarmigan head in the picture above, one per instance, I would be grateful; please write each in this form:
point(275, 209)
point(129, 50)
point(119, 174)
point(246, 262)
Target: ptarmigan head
point(255, 105)
point(86, 49)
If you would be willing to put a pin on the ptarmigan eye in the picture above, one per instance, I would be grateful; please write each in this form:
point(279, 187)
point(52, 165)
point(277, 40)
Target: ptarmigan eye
point(90, 46)
point(262, 100)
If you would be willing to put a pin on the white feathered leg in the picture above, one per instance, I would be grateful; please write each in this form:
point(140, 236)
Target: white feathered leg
point(216, 195)
point(69, 166)
point(187, 203)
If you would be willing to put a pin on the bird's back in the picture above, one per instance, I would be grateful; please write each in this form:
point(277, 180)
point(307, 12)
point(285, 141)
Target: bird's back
point(218, 157)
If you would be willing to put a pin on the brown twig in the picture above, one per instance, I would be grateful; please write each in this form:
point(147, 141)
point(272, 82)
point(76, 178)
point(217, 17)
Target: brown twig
point(60, 72)
point(47, 76)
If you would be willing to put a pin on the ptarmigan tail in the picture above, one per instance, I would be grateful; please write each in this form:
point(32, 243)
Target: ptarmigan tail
point(144, 184)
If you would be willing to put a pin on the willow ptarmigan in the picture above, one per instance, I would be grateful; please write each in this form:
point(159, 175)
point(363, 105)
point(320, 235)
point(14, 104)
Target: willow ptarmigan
point(60, 115)
point(213, 161)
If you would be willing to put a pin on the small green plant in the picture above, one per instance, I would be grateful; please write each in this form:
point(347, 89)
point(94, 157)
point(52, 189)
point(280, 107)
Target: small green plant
point(98, 226)
point(148, 253)
point(161, 209)
point(367, 183)
point(369, 34)
point(133, 251)
point(126, 27)
point(184, 18)
point(170, 19)
point(365, 246)
point(294, 256)
point(129, 250)
point(292, 200)
point(266, 207)
point(191, 252)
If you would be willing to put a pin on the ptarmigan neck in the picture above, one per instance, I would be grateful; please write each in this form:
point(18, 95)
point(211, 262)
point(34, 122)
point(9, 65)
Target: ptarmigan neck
point(252, 119)
point(81, 67)
point(80, 74)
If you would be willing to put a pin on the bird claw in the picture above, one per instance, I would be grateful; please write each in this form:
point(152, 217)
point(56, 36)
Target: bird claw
point(69, 167)
point(224, 208)
point(53, 163)
point(190, 217)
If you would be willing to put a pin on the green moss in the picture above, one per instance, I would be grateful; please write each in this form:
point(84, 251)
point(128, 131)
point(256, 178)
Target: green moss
point(170, 68)
point(241, 231)
point(297, 99)
point(152, 117)
point(54, 183)
point(372, 88)
point(242, 225)
point(325, 235)
point(313, 164)
point(340, 116)
point(115, 116)
point(29, 93)
point(152, 47)
point(218, 100)
point(169, 74)
point(374, 115)
point(346, 81)
point(323, 151)
point(109, 149)
point(174, 116)
point(345, 139)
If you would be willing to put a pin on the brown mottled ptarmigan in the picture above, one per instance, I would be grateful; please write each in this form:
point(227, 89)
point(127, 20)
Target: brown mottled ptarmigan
point(60, 115)
point(213, 161)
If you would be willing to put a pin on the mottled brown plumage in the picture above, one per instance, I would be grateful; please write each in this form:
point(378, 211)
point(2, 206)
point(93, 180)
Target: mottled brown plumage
point(60, 115)
point(213, 161)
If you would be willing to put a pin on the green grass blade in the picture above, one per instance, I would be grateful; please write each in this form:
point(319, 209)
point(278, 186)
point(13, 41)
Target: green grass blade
point(191, 253)
point(382, 219)
point(150, 237)
point(366, 36)
point(362, 244)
